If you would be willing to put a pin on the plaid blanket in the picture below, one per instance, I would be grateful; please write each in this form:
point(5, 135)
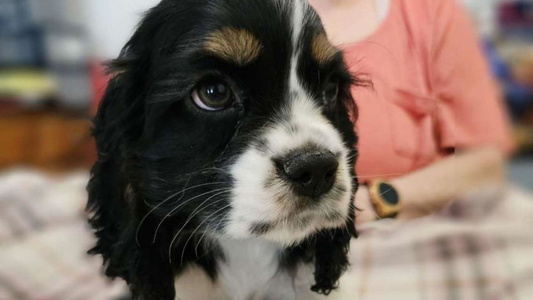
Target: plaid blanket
point(44, 239)
point(479, 248)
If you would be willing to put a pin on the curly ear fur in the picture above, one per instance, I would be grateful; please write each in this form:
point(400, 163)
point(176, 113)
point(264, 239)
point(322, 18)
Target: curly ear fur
point(331, 256)
point(111, 202)
point(331, 247)
point(118, 130)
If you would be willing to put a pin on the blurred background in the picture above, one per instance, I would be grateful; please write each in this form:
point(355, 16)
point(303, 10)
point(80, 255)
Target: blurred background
point(51, 80)
point(51, 76)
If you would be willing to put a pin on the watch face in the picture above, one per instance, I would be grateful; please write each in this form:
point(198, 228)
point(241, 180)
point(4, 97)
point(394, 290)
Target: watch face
point(389, 193)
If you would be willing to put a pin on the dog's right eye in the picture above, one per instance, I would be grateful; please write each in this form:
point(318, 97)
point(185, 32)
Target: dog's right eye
point(212, 95)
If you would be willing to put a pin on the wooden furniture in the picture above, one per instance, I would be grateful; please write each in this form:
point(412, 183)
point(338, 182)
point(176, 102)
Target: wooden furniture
point(50, 140)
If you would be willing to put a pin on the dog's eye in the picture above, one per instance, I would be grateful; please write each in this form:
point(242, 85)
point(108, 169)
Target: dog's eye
point(212, 95)
point(331, 92)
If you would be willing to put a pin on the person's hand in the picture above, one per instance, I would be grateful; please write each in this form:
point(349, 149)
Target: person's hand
point(365, 212)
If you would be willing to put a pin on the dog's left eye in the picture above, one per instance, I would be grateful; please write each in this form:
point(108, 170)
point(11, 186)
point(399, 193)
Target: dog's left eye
point(331, 92)
point(212, 95)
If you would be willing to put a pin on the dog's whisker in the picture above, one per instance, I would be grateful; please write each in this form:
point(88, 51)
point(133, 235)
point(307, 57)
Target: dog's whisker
point(203, 235)
point(206, 170)
point(199, 208)
point(235, 135)
point(225, 218)
point(174, 210)
point(384, 192)
point(185, 189)
point(200, 239)
point(181, 205)
point(352, 156)
point(378, 176)
point(178, 233)
point(195, 230)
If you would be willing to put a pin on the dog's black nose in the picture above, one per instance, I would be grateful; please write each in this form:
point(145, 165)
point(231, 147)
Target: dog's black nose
point(312, 174)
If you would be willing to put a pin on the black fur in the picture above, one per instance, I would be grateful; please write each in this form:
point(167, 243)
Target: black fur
point(156, 151)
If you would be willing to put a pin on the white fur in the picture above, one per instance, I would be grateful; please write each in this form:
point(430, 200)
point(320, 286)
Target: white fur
point(250, 273)
point(250, 267)
point(297, 25)
point(254, 202)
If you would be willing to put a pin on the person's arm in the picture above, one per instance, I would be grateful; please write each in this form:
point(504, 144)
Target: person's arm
point(470, 118)
point(429, 190)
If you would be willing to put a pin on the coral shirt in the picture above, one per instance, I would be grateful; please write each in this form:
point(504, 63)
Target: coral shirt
point(432, 90)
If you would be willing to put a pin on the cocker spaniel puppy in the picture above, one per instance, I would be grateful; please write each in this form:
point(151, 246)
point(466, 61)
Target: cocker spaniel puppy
point(226, 155)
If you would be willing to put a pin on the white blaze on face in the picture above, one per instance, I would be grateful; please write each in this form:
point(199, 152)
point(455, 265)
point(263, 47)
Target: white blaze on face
point(259, 195)
point(295, 85)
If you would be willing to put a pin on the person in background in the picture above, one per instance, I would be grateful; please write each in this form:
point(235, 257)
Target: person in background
point(433, 127)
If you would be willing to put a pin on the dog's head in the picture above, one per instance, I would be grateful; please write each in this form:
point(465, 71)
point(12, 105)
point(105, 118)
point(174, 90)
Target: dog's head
point(223, 119)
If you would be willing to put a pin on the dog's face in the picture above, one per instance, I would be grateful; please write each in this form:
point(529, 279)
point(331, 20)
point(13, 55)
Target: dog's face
point(229, 118)
point(250, 123)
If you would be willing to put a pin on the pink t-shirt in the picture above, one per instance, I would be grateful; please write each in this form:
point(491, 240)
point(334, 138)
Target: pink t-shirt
point(432, 90)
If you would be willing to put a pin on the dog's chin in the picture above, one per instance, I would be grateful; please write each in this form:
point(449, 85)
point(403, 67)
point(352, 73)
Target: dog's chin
point(289, 236)
point(293, 227)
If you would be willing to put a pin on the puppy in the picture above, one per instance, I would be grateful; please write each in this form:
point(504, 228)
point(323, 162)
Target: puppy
point(226, 155)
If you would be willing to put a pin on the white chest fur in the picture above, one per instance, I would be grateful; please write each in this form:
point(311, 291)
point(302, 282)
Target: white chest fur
point(250, 272)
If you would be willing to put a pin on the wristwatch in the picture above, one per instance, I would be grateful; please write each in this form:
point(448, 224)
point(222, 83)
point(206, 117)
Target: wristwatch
point(385, 199)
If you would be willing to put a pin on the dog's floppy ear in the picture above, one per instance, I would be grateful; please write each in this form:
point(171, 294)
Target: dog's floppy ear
point(331, 255)
point(107, 202)
point(117, 127)
point(118, 131)
point(332, 246)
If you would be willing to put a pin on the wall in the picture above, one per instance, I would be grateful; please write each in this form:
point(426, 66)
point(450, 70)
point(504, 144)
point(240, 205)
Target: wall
point(111, 22)
point(484, 13)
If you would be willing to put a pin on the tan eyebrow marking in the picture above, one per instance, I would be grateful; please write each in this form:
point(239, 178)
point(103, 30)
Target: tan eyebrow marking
point(322, 50)
point(234, 45)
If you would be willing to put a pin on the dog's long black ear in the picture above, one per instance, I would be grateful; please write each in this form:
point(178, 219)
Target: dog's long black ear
point(332, 246)
point(109, 208)
point(331, 256)
point(112, 198)
point(117, 127)
point(121, 129)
